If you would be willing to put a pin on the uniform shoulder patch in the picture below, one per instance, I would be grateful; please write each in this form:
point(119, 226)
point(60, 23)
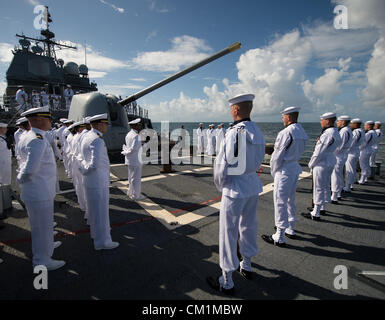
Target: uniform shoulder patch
point(39, 136)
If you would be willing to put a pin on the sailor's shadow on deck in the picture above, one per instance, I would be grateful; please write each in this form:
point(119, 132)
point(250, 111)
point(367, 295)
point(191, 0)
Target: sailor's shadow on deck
point(284, 286)
point(360, 222)
point(359, 253)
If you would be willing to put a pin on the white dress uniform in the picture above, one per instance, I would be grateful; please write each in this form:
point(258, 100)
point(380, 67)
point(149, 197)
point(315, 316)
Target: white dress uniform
point(322, 164)
point(76, 159)
point(35, 99)
point(201, 133)
point(22, 100)
point(375, 147)
point(353, 156)
point(365, 153)
point(17, 135)
point(132, 150)
point(341, 153)
point(37, 179)
point(220, 136)
point(5, 162)
point(288, 150)
point(210, 149)
point(68, 94)
point(240, 189)
point(81, 182)
point(95, 168)
point(44, 98)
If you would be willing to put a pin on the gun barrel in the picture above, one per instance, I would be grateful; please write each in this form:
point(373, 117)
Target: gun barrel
point(159, 84)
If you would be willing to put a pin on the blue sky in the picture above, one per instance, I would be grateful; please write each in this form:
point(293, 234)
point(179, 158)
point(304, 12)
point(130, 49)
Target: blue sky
point(291, 54)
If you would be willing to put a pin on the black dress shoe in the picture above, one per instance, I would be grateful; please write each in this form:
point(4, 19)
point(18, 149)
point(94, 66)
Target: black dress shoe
point(269, 239)
point(322, 212)
point(246, 274)
point(214, 284)
point(310, 208)
point(334, 202)
point(310, 216)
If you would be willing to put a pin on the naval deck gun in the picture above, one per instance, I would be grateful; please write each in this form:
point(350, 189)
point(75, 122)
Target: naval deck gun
point(120, 112)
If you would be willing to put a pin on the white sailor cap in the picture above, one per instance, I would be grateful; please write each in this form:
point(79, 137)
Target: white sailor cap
point(231, 124)
point(378, 122)
point(63, 119)
point(369, 122)
point(328, 115)
point(290, 110)
point(135, 121)
point(21, 120)
point(87, 120)
point(99, 118)
point(37, 112)
point(241, 98)
point(68, 121)
point(344, 118)
point(3, 125)
point(68, 86)
point(356, 120)
point(71, 126)
point(201, 124)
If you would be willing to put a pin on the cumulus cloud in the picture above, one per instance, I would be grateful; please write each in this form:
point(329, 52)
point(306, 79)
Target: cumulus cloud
point(185, 50)
point(373, 94)
point(118, 89)
point(117, 9)
point(95, 60)
point(6, 52)
point(325, 88)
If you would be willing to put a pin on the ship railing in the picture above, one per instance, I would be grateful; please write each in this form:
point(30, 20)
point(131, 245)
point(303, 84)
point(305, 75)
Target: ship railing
point(136, 111)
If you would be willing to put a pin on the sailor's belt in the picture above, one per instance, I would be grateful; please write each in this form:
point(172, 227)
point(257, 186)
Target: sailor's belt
point(104, 121)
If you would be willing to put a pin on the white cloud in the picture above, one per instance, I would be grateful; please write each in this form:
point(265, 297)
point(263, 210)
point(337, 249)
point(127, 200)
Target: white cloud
point(185, 50)
point(138, 79)
point(6, 52)
point(118, 90)
point(96, 74)
point(3, 86)
point(95, 60)
point(120, 10)
point(153, 7)
point(373, 94)
point(34, 2)
point(151, 35)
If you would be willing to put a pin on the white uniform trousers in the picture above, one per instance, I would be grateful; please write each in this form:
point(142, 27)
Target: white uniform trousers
point(337, 177)
point(40, 215)
point(237, 216)
point(321, 185)
point(351, 171)
point(372, 159)
point(365, 167)
point(98, 206)
point(200, 145)
point(77, 182)
point(134, 181)
point(285, 187)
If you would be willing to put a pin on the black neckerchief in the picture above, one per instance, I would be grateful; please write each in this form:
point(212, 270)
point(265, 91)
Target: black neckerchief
point(324, 129)
point(239, 121)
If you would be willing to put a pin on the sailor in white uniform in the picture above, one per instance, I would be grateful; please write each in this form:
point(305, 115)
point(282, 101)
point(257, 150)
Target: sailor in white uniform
point(132, 150)
point(24, 126)
point(68, 95)
point(210, 149)
point(220, 136)
point(376, 145)
point(366, 151)
point(201, 133)
point(230, 126)
point(5, 157)
point(65, 148)
point(353, 154)
point(95, 167)
point(288, 150)
point(235, 175)
point(322, 164)
point(37, 179)
point(21, 99)
point(44, 97)
point(35, 99)
point(75, 161)
point(341, 153)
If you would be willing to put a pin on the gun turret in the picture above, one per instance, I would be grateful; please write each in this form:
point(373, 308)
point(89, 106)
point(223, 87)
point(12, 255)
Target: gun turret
point(155, 86)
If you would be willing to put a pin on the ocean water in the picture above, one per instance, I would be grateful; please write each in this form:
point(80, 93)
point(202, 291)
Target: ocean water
point(270, 131)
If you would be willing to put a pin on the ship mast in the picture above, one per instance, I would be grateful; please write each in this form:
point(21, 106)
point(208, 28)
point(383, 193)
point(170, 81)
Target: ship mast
point(49, 43)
